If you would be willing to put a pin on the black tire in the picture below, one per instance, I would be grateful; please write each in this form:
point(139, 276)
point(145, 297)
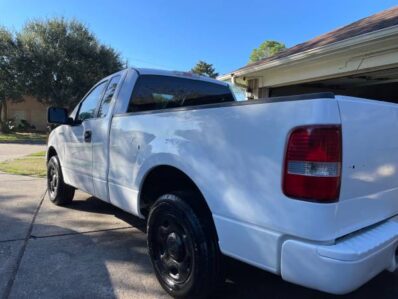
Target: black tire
point(58, 192)
point(183, 246)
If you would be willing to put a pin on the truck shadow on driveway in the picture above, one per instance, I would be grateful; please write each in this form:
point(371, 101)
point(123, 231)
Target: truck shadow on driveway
point(95, 205)
point(69, 264)
point(244, 281)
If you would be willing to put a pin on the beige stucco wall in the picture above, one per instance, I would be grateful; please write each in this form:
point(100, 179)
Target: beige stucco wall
point(31, 110)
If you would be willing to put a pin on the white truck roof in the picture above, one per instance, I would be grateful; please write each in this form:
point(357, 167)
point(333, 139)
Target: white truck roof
point(188, 75)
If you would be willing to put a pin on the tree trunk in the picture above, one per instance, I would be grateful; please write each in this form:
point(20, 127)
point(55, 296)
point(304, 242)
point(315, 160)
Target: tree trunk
point(3, 116)
point(5, 111)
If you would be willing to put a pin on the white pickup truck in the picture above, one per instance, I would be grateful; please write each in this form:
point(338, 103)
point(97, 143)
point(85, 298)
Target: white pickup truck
point(305, 186)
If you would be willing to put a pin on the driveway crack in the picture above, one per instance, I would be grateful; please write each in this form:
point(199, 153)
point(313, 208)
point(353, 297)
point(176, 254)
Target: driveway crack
point(80, 233)
point(21, 252)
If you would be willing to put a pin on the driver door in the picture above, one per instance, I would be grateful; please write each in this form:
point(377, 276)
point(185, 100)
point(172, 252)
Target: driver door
point(78, 162)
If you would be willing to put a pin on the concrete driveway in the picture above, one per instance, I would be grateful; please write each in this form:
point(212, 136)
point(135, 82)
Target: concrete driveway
point(93, 250)
point(10, 151)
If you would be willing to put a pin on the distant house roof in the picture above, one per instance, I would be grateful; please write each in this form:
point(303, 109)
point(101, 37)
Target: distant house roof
point(382, 20)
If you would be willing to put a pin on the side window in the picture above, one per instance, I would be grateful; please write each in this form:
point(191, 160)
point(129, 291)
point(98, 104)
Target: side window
point(106, 100)
point(89, 104)
point(154, 92)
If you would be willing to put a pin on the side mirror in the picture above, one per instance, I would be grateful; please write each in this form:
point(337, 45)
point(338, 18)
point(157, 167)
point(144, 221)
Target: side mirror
point(58, 116)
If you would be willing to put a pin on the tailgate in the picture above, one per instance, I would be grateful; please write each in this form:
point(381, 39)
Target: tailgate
point(369, 185)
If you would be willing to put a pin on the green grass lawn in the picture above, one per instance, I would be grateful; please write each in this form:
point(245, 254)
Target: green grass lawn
point(33, 165)
point(23, 138)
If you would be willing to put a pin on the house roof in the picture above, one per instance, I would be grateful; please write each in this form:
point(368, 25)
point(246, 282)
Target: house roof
point(381, 20)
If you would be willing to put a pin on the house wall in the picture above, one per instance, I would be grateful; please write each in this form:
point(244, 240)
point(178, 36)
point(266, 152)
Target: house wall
point(30, 110)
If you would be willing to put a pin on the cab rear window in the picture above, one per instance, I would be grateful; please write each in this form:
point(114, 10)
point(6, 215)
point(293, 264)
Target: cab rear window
point(153, 92)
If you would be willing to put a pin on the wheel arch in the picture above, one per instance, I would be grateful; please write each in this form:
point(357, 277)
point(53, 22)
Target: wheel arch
point(162, 179)
point(50, 153)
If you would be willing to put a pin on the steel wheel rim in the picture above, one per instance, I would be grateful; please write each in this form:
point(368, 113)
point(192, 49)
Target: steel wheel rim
point(53, 180)
point(172, 250)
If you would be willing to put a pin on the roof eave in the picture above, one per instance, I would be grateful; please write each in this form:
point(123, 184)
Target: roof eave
point(318, 52)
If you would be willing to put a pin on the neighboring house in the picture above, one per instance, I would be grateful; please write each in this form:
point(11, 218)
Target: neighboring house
point(360, 59)
point(29, 110)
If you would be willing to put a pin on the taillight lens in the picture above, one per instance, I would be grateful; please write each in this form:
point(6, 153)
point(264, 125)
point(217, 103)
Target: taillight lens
point(313, 164)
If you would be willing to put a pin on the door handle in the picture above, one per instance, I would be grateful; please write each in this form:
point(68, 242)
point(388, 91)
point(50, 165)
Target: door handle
point(87, 136)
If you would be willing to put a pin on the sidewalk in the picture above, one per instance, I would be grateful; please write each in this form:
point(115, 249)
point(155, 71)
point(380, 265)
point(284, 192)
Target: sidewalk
point(93, 250)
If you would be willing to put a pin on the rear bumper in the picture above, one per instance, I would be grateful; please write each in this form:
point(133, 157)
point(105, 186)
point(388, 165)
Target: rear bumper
point(344, 266)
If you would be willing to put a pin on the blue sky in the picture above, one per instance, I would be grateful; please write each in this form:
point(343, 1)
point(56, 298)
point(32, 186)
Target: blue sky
point(176, 34)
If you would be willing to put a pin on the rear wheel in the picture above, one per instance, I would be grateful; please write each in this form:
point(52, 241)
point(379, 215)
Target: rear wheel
point(183, 247)
point(59, 192)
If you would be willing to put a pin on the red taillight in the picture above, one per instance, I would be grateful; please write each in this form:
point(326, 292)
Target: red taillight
point(313, 164)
